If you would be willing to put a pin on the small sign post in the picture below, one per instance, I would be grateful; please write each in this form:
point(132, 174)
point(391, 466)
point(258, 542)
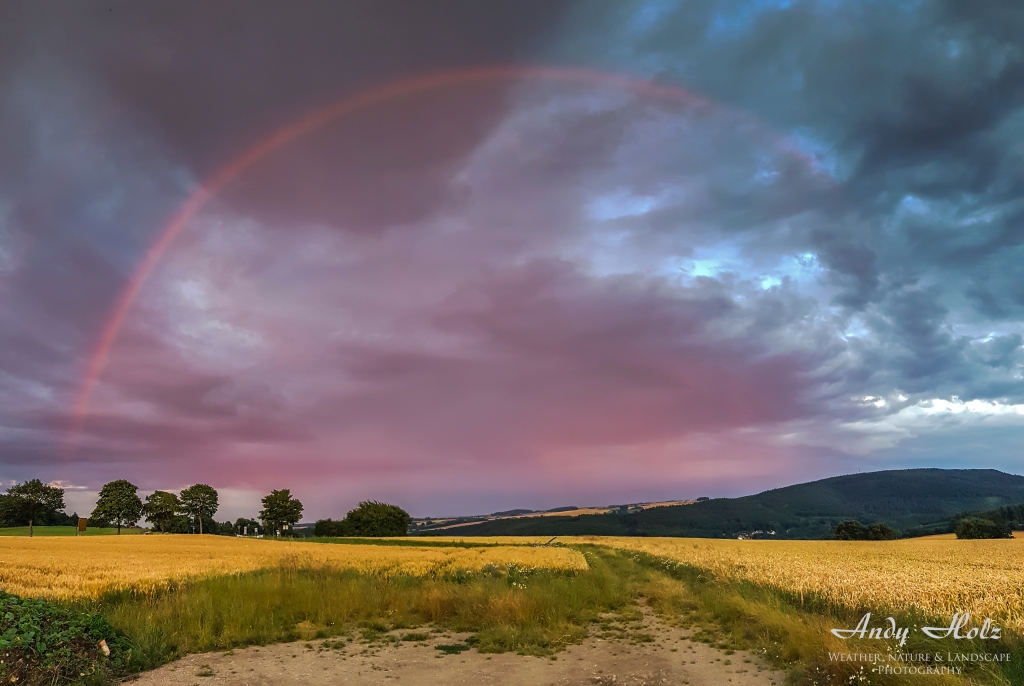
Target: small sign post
point(82, 522)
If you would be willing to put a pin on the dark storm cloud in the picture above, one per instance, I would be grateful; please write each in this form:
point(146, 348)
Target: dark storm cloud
point(911, 96)
point(918, 109)
point(371, 170)
point(213, 78)
point(113, 113)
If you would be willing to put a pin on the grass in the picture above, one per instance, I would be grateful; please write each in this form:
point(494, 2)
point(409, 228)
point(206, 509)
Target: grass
point(792, 631)
point(65, 531)
point(412, 543)
point(530, 612)
point(535, 612)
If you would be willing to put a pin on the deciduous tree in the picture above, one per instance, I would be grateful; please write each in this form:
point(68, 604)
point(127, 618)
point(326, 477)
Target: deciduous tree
point(375, 519)
point(327, 528)
point(280, 508)
point(33, 501)
point(199, 502)
point(246, 527)
point(852, 530)
point(118, 504)
point(976, 527)
point(161, 509)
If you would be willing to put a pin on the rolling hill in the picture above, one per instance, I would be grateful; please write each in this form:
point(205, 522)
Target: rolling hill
point(911, 500)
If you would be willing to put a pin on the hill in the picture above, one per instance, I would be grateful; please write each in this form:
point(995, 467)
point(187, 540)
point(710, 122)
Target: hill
point(905, 499)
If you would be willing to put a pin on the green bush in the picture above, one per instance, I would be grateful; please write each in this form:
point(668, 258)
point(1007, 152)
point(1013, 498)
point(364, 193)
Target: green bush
point(851, 531)
point(327, 528)
point(882, 532)
point(370, 519)
point(42, 643)
point(855, 531)
point(975, 527)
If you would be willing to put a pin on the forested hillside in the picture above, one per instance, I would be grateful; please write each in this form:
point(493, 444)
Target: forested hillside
point(907, 500)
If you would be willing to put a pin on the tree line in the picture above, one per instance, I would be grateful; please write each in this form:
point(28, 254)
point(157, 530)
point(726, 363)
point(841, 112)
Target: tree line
point(34, 503)
point(983, 525)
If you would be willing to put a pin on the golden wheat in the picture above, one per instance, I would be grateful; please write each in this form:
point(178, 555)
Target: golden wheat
point(938, 575)
point(70, 567)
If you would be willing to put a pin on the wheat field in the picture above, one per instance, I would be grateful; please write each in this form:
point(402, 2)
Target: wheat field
point(71, 567)
point(938, 575)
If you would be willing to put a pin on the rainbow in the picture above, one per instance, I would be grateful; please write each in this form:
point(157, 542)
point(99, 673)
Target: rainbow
point(368, 98)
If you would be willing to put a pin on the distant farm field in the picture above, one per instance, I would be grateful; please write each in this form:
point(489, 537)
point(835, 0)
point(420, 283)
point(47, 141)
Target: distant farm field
point(57, 567)
point(64, 531)
point(937, 575)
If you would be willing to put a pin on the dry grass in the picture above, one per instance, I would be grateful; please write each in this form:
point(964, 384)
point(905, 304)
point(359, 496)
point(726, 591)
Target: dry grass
point(937, 575)
point(88, 567)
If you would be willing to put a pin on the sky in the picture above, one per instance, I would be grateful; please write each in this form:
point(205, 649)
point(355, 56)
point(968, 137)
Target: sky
point(465, 257)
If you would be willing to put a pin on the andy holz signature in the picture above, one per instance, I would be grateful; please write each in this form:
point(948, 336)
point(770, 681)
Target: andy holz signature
point(889, 630)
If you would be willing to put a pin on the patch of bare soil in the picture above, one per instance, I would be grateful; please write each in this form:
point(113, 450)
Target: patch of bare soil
point(650, 653)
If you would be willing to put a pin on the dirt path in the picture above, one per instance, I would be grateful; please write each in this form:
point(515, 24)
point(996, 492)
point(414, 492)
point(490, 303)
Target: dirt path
point(670, 658)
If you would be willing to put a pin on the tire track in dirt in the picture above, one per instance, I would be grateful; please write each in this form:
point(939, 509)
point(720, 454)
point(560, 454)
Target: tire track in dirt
point(669, 657)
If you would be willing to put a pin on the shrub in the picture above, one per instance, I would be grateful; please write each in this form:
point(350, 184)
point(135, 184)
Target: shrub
point(370, 519)
point(377, 519)
point(882, 532)
point(42, 643)
point(327, 528)
point(855, 531)
point(974, 527)
point(851, 531)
